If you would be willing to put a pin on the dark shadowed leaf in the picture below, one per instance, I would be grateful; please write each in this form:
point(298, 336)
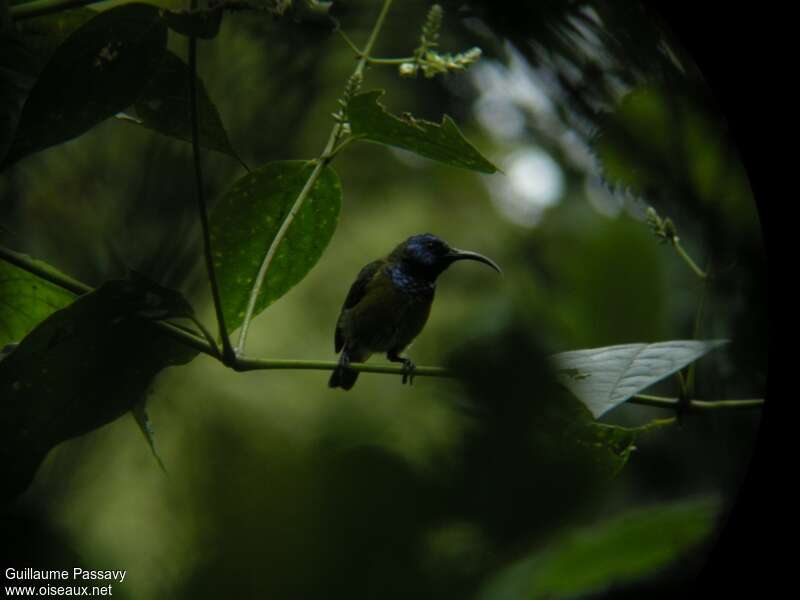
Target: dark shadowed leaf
point(44, 34)
point(203, 23)
point(371, 121)
point(82, 367)
point(624, 549)
point(99, 70)
point(164, 107)
point(23, 55)
point(25, 301)
point(17, 77)
point(603, 378)
point(139, 412)
point(247, 219)
point(537, 457)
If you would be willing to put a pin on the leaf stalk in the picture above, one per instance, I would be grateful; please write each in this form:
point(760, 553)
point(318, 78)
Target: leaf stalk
point(228, 356)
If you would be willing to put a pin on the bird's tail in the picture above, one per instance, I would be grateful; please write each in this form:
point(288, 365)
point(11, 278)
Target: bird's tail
point(343, 376)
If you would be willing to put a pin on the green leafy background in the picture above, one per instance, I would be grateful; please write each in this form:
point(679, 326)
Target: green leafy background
point(279, 487)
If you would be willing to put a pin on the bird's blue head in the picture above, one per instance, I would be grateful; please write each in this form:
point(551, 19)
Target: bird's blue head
point(429, 255)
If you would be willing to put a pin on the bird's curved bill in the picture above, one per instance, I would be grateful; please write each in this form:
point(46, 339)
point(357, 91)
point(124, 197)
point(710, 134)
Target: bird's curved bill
point(456, 254)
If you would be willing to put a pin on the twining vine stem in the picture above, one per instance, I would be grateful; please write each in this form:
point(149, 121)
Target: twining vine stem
point(227, 350)
point(676, 243)
point(326, 157)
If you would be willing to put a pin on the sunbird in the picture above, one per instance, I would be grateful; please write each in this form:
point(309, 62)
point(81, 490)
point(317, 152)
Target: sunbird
point(389, 303)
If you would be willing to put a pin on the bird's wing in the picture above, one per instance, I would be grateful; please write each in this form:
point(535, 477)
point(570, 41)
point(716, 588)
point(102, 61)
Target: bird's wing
point(354, 296)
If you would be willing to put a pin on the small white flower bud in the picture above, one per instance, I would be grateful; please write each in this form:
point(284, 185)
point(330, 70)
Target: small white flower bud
point(408, 69)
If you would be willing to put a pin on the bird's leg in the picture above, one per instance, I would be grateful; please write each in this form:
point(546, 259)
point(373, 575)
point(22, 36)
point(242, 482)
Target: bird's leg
point(408, 365)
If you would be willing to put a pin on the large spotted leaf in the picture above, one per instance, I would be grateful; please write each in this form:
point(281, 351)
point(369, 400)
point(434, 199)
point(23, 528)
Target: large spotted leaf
point(246, 221)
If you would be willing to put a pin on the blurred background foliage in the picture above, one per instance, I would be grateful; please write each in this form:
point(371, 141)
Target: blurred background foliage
point(279, 487)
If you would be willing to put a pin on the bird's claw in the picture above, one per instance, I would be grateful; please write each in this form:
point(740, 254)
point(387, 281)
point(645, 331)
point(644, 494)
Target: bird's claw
point(408, 371)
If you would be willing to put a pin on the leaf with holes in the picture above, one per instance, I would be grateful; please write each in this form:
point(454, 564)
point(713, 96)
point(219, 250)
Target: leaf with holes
point(98, 71)
point(603, 378)
point(370, 121)
point(246, 221)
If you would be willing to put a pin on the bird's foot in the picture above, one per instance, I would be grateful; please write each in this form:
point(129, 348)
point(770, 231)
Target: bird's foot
point(408, 371)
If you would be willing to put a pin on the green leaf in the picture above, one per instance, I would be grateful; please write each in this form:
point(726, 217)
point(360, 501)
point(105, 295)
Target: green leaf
point(603, 378)
point(82, 367)
point(164, 107)
point(246, 220)
point(203, 23)
point(634, 545)
point(26, 301)
point(99, 70)
point(369, 120)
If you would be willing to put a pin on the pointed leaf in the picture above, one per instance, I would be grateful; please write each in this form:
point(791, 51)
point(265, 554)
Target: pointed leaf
point(247, 219)
point(164, 107)
point(603, 378)
point(588, 560)
point(139, 412)
point(25, 301)
point(98, 71)
point(80, 368)
point(369, 120)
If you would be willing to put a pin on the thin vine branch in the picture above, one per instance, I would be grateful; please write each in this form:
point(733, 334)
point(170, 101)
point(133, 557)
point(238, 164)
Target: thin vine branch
point(390, 61)
point(665, 230)
point(676, 243)
point(325, 157)
point(696, 405)
point(228, 355)
point(191, 340)
point(43, 270)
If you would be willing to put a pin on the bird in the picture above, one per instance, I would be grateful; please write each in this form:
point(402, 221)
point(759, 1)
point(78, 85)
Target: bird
point(389, 303)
